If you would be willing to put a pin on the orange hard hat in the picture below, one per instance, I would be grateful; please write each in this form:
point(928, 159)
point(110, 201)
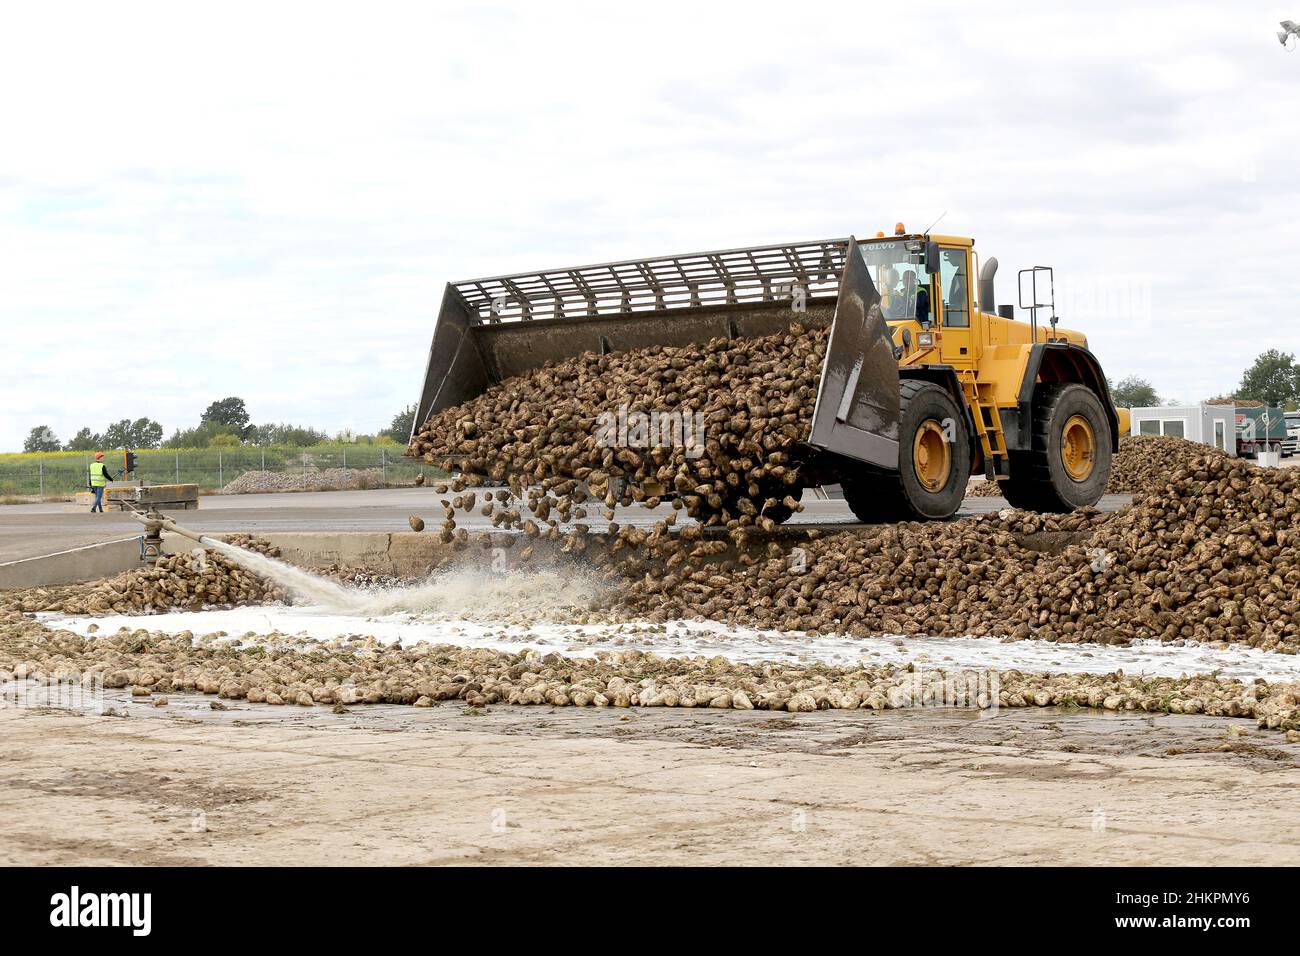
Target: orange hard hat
point(98, 455)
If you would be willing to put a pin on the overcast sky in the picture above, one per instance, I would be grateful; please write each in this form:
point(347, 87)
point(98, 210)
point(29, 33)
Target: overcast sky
point(265, 200)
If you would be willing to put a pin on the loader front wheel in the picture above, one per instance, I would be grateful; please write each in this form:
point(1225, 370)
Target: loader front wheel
point(1068, 465)
point(933, 462)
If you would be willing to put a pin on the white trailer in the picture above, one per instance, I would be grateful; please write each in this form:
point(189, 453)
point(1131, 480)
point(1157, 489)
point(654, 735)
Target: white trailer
point(1213, 425)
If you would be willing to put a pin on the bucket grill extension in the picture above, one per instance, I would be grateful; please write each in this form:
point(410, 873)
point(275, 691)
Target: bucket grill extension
point(725, 277)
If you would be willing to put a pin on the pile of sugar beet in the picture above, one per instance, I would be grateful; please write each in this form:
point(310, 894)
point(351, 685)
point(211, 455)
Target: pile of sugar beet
point(1210, 550)
point(1142, 464)
point(280, 669)
point(188, 580)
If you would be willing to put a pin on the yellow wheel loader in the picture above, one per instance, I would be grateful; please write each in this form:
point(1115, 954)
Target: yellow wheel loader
point(926, 379)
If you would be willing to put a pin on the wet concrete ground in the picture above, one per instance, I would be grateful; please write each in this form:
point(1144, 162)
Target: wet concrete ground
point(253, 784)
point(1069, 730)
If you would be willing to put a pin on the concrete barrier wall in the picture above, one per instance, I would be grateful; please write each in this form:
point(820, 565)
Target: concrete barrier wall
point(399, 553)
point(73, 566)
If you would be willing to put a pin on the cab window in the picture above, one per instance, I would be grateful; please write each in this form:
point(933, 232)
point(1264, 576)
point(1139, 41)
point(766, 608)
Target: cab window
point(952, 282)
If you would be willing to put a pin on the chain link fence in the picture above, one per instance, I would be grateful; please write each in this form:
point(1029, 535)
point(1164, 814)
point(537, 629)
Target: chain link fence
point(233, 470)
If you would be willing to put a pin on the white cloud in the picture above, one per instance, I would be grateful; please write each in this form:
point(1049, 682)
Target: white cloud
point(266, 200)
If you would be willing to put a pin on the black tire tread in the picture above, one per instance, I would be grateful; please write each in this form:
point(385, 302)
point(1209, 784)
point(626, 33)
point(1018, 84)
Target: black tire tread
point(879, 497)
point(1029, 487)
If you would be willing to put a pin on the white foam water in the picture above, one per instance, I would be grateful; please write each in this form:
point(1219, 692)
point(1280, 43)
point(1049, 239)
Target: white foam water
point(315, 626)
point(301, 584)
point(465, 593)
point(477, 608)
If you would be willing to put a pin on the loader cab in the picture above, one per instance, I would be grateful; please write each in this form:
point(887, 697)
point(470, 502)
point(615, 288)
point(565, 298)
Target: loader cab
point(926, 295)
point(955, 304)
point(901, 267)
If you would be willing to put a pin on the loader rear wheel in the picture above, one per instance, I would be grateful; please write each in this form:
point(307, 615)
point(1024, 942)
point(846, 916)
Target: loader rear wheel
point(933, 462)
point(1068, 465)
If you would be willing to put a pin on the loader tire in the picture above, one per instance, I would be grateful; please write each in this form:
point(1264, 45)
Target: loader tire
point(933, 462)
point(1068, 465)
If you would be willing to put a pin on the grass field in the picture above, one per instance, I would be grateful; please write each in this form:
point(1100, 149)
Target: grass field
point(65, 472)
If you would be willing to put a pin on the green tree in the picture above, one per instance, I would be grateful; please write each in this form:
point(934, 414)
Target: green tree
point(141, 433)
point(118, 434)
point(41, 438)
point(284, 434)
point(229, 411)
point(145, 433)
point(403, 421)
point(1274, 379)
point(200, 436)
point(1134, 392)
point(85, 440)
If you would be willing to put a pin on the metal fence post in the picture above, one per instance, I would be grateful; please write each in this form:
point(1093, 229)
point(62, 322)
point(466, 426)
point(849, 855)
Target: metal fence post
point(345, 459)
point(264, 459)
point(383, 466)
point(40, 471)
point(304, 469)
point(178, 466)
point(221, 478)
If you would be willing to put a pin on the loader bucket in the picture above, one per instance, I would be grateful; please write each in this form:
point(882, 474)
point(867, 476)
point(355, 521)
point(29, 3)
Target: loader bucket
point(491, 329)
point(857, 411)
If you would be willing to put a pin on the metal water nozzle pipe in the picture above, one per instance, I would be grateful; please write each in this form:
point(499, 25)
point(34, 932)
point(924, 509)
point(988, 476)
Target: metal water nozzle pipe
point(155, 524)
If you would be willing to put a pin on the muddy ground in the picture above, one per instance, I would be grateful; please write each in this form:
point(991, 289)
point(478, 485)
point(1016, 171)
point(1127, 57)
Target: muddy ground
point(252, 784)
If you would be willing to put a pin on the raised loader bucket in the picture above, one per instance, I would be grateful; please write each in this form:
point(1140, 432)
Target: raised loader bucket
point(857, 408)
point(491, 329)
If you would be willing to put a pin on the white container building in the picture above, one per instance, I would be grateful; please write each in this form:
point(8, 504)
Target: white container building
point(1214, 425)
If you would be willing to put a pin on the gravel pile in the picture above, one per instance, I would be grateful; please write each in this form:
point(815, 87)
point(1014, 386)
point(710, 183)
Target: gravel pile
point(329, 479)
point(274, 670)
